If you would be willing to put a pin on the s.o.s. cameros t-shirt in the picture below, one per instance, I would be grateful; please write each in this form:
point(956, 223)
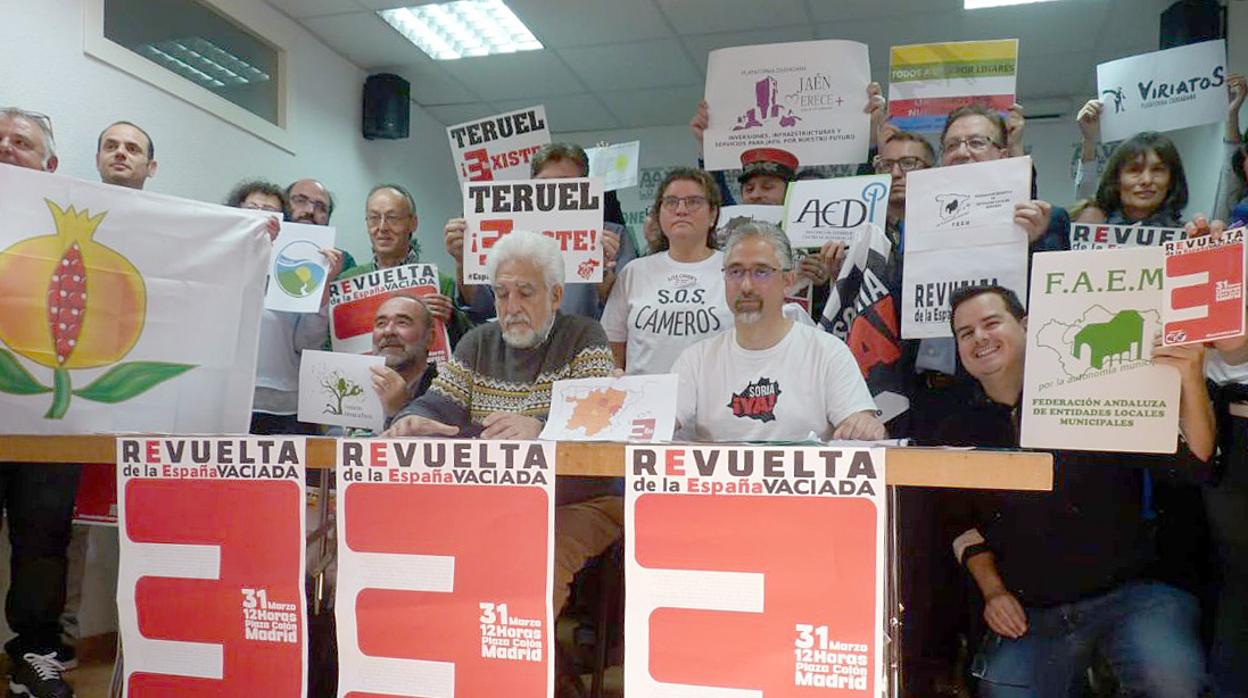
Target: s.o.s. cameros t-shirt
point(659, 306)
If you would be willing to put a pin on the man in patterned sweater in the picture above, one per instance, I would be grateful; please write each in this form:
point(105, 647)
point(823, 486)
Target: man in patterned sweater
point(497, 386)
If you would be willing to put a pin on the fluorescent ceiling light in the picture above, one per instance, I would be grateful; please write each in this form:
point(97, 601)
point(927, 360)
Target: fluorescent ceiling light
point(204, 62)
point(465, 28)
point(981, 4)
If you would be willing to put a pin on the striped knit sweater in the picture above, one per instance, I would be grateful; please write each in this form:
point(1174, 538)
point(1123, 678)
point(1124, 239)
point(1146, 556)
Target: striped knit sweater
point(486, 376)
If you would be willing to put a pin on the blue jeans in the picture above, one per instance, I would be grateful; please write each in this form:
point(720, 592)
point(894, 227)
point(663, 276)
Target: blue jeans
point(1148, 632)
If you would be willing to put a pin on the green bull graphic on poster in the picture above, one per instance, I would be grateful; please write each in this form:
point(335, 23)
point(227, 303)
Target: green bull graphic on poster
point(1089, 382)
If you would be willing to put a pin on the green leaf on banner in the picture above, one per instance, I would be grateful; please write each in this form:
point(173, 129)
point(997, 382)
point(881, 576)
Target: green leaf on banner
point(124, 381)
point(15, 379)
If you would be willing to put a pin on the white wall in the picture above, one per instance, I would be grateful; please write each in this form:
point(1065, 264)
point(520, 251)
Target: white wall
point(43, 68)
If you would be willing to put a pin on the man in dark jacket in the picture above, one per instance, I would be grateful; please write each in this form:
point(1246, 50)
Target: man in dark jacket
point(1069, 574)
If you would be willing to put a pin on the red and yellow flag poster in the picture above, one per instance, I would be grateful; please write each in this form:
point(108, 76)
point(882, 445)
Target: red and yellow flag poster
point(754, 571)
point(210, 596)
point(444, 576)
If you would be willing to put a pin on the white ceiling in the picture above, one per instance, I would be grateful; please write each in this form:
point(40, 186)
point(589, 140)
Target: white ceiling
point(612, 64)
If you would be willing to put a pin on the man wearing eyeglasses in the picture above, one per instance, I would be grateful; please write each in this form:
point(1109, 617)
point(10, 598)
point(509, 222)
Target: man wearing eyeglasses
point(125, 155)
point(38, 498)
point(390, 214)
point(769, 378)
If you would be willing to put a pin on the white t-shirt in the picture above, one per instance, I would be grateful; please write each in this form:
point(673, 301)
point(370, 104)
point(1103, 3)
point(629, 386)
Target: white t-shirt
point(808, 382)
point(659, 306)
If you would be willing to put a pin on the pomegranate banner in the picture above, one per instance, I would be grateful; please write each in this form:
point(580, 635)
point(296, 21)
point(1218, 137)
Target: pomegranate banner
point(754, 571)
point(498, 147)
point(124, 311)
point(353, 304)
point(444, 576)
point(210, 588)
point(568, 210)
point(1204, 286)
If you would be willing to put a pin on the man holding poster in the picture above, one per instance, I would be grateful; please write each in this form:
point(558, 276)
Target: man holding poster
point(1071, 573)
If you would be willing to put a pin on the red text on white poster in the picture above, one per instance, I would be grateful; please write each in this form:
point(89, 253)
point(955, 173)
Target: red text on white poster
point(210, 595)
point(444, 584)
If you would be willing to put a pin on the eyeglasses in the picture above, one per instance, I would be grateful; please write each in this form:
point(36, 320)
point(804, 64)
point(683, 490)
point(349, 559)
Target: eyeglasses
point(907, 164)
point(975, 144)
point(671, 203)
point(302, 200)
point(758, 275)
point(260, 207)
point(373, 219)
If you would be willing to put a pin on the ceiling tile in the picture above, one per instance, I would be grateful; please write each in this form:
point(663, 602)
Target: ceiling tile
point(515, 75)
point(300, 9)
point(364, 39)
point(707, 16)
point(661, 63)
point(904, 10)
point(668, 106)
point(431, 84)
point(583, 112)
point(561, 23)
point(702, 44)
point(391, 4)
point(451, 114)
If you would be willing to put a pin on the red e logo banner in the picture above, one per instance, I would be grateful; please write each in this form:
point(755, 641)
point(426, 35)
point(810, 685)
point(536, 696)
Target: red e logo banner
point(754, 572)
point(210, 589)
point(1204, 287)
point(444, 576)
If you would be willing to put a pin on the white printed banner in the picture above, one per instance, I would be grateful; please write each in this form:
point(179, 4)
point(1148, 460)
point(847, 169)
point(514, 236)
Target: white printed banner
point(1107, 236)
point(298, 270)
point(1089, 383)
point(498, 147)
point(834, 210)
point(615, 164)
point(635, 408)
point(125, 311)
point(354, 301)
point(568, 210)
point(960, 231)
point(444, 574)
point(1163, 90)
point(210, 594)
point(727, 597)
point(806, 97)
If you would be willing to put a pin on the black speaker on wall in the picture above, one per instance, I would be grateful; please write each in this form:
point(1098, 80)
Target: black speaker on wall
point(387, 106)
point(1190, 22)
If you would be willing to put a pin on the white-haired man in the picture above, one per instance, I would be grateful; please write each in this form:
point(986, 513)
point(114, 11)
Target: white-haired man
point(769, 379)
point(497, 386)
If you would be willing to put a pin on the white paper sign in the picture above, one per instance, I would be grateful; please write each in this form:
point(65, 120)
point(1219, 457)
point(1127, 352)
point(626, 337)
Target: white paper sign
point(297, 269)
point(615, 164)
point(637, 408)
point(337, 389)
point(500, 146)
point(806, 97)
point(960, 231)
point(1107, 236)
point(568, 210)
point(833, 210)
point(1163, 90)
point(732, 216)
point(1088, 382)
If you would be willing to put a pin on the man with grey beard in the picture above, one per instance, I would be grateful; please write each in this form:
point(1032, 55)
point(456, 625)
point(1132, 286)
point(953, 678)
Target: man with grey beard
point(769, 379)
point(497, 386)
